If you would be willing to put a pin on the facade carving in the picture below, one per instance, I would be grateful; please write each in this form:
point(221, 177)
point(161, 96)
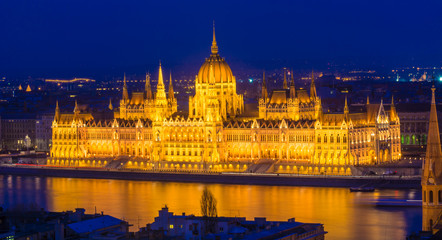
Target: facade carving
point(289, 133)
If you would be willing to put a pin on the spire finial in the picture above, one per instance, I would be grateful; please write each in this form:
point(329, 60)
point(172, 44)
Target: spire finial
point(368, 100)
point(433, 98)
point(214, 46)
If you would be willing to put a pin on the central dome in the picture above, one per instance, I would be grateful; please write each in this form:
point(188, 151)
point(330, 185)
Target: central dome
point(221, 70)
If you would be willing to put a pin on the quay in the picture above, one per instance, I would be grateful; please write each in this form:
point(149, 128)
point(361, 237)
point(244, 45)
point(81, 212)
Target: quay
point(392, 182)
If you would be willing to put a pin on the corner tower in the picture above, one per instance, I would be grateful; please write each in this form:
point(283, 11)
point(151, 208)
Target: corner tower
point(432, 173)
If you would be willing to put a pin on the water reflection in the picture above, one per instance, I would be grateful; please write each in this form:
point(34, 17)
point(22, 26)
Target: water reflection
point(345, 215)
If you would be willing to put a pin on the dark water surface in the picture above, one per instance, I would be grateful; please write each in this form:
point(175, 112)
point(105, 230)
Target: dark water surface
point(345, 215)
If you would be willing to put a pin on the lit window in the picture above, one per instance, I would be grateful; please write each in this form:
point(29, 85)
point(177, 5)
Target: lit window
point(171, 226)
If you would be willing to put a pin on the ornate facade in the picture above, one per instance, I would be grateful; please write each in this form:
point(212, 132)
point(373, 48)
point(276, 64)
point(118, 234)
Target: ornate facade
point(289, 134)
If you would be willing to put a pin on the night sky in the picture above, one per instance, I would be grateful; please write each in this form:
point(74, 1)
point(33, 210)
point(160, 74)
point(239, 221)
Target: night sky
point(67, 37)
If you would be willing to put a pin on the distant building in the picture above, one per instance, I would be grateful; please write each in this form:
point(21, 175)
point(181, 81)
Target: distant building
point(43, 132)
point(18, 131)
point(190, 227)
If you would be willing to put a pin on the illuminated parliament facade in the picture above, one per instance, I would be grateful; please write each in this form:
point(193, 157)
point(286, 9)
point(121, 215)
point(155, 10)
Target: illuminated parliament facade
point(289, 134)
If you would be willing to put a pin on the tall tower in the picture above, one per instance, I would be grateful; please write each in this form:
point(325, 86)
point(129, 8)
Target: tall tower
point(292, 86)
point(313, 88)
point(284, 85)
point(432, 173)
point(264, 93)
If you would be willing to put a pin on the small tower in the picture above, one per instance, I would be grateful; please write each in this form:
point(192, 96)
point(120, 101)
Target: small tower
point(125, 92)
point(292, 86)
point(346, 111)
point(148, 87)
point(432, 173)
point(284, 85)
point(313, 88)
point(264, 93)
point(171, 93)
point(110, 104)
point(393, 114)
point(57, 112)
point(76, 110)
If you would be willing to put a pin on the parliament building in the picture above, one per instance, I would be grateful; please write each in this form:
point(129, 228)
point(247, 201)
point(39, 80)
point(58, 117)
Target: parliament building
point(289, 134)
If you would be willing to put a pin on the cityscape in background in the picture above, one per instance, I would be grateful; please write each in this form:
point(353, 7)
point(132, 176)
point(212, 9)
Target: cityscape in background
point(231, 120)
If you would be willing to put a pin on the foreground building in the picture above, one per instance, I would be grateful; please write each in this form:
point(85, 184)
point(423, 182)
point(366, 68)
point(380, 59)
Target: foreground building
point(288, 134)
point(190, 227)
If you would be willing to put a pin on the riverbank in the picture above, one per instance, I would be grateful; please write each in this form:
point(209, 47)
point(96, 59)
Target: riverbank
point(392, 182)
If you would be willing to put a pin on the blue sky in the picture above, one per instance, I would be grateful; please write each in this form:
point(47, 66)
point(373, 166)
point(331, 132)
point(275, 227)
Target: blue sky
point(78, 36)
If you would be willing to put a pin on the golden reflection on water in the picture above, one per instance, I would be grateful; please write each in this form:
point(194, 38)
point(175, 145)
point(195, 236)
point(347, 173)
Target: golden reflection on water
point(345, 215)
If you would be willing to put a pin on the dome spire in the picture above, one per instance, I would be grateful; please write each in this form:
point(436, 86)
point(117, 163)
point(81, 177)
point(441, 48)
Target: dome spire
point(214, 46)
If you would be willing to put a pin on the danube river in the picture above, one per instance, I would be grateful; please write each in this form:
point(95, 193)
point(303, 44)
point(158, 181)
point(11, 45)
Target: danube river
point(345, 215)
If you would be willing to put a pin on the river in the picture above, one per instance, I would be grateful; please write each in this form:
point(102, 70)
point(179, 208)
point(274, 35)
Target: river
point(345, 215)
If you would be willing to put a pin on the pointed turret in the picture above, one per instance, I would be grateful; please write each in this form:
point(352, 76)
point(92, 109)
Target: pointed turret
point(284, 85)
point(214, 46)
point(161, 92)
point(346, 111)
point(148, 87)
point(393, 113)
point(264, 92)
point(76, 109)
point(171, 93)
point(20, 88)
point(28, 89)
point(57, 112)
point(292, 86)
point(313, 88)
point(368, 100)
point(110, 104)
point(125, 92)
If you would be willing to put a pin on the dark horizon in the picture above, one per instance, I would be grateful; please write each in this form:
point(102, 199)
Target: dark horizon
point(67, 39)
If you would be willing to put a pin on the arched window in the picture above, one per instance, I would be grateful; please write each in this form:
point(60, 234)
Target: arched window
point(439, 199)
point(344, 139)
point(332, 139)
point(325, 138)
point(338, 139)
point(425, 196)
point(319, 139)
point(430, 197)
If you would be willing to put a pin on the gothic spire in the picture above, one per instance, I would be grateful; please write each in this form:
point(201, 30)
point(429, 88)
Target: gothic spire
point(171, 93)
point(292, 85)
point(125, 92)
point(313, 88)
point(110, 104)
point(432, 172)
point(393, 113)
point(368, 100)
point(264, 92)
point(148, 87)
point(285, 79)
point(76, 109)
point(214, 46)
point(57, 112)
